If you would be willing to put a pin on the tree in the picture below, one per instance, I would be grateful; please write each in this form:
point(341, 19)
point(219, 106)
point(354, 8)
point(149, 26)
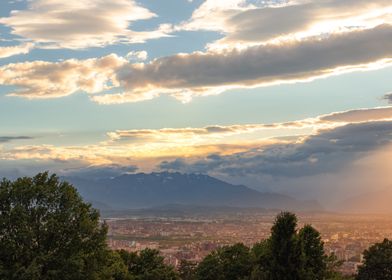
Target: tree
point(147, 264)
point(228, 262)
point(115, 268)
point(313, 256)
point(290, 254)
point(48, 232)
point(210, 268)
point(261, 256)
point(285, 259)
point(332, 268)
point(187, 270)
point(377, 264)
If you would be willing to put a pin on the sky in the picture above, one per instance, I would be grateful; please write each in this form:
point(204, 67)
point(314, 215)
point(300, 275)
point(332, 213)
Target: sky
point(283, 96)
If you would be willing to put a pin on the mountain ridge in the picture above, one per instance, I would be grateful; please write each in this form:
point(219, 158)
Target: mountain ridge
point(146, 190)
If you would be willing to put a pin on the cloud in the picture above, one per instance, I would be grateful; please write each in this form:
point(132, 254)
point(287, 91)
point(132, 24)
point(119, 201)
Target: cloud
point(360, 115)
point(184, 76)
point(15, 50)
point(137, 55)
point(100, 171)
point(228, 133)
point(81, 23)
point(245, 22)
point(40, 79)
point(388, 97)
point(311, 158)
point(212, 14)
point(325, 152)
point(6, 139)
point(147, 146)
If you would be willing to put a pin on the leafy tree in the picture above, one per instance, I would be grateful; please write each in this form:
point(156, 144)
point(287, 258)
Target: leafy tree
point(377, 263)
point(261, 260)
point(285, 248)
point(148, 265)
point(210, 268)
point(115, 268)
point(292, 255)
point(187, 270)
point(332, 266)
point(48, 232)
point(228, 262)
point(313, 256)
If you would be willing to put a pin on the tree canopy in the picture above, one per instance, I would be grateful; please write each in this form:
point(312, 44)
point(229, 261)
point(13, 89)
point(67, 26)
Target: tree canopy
point(228, 262)
point(48, 232)
point(377, 263)
point(147, 265)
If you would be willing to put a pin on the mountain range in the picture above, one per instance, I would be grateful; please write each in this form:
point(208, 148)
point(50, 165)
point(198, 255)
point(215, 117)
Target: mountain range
point(141, 190)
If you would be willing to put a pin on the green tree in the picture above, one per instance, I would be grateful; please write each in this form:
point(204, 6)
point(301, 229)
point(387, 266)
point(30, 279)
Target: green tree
point(229, 262)
point(148, 264)
point(377, 264)
point(210, 268)
point(261, 260)
point(187, 270)
point(313, 255)
point(332, 268)
point(48, 232)
point(285, 248)
point(115, 268)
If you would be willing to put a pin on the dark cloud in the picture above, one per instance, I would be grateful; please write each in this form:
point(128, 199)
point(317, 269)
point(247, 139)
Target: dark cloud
point(5, 139)
point(99, 172)
point(388, 97)
point(327, 152)
point(298, 60)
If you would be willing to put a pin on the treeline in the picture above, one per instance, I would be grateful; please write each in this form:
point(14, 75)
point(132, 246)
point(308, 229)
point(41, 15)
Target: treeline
point(47, 232)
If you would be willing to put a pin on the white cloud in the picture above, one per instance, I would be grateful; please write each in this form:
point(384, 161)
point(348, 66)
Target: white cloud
point(137, 55)
point(185, 76)
point(80, 23)
point(247, 22)
point(39, 79)
point(15, 50)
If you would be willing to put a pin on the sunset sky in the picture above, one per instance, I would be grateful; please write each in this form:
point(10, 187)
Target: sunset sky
point(286, 96)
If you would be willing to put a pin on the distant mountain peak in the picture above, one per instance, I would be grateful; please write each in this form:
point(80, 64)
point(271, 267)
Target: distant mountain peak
point(145, 190)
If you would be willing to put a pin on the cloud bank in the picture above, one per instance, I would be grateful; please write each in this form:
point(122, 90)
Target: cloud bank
point(184, 76)
point(324, 153)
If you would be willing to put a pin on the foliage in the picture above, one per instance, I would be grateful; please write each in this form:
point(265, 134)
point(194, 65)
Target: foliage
point(288, 254)
point(187, 270)
point(285, 250)
point(147, 265)
point(229, 262)
point(313, 257)
point(377, 263)
point(48, 232)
